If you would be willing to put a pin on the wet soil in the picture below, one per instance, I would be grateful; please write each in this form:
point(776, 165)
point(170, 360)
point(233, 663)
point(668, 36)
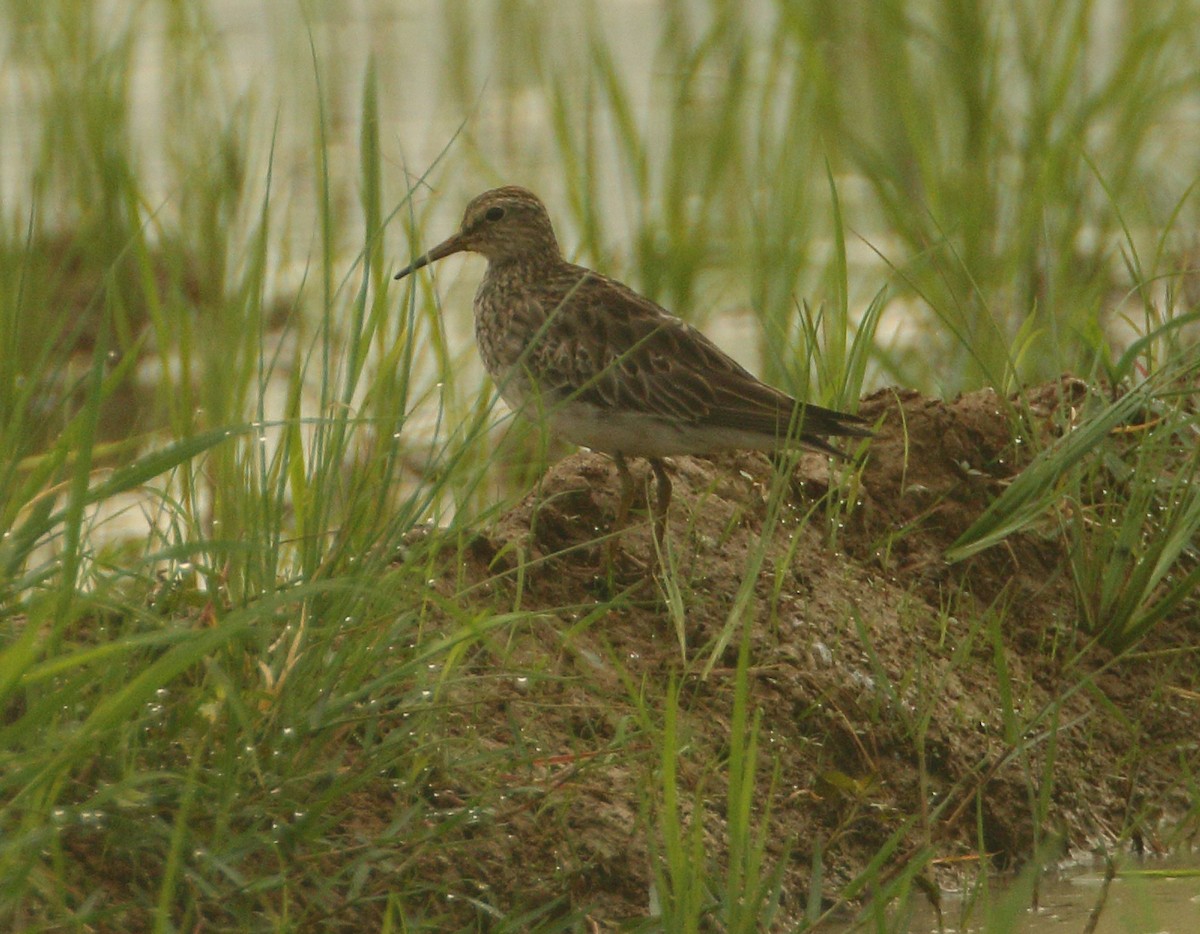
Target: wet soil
point(906, 704)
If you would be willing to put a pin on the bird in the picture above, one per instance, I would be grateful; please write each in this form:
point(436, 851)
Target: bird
point(606, 367)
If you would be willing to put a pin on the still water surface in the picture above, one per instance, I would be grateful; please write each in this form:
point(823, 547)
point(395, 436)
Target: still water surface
point(1147, 898)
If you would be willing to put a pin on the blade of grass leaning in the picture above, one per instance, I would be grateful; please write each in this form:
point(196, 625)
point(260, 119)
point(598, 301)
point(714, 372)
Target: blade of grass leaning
point(1034, 489)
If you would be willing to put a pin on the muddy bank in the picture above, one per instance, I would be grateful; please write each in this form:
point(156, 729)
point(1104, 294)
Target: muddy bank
point(958, 707)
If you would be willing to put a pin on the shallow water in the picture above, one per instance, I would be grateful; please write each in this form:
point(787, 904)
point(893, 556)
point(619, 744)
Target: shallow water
point(1153, 897)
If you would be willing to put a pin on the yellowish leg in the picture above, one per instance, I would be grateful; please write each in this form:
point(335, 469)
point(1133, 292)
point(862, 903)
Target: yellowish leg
point(627, 491)
point(623, 506)
point(662, 501)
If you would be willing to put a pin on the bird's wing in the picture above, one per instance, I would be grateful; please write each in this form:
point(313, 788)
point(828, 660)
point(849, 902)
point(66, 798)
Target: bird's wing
point(605, 344)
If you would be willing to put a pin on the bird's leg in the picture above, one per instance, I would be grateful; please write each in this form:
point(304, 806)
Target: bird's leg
point(627, 491)
point(662, 500)
point(623, 504)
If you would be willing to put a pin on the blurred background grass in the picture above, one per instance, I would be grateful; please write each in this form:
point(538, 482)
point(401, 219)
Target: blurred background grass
point(207, 390)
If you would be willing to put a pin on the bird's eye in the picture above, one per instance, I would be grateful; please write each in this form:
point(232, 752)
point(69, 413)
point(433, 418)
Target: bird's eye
point(494, 214)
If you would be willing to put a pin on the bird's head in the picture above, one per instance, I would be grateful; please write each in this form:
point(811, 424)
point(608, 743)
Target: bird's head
point(501, 224)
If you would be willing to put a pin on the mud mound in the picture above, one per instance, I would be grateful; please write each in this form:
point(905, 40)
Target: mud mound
point(902, 698)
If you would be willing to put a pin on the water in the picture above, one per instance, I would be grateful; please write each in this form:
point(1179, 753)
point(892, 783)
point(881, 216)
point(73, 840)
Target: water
point(1151, 897)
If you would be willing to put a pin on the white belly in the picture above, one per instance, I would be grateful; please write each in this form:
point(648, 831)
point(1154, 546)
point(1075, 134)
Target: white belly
point(647, 435)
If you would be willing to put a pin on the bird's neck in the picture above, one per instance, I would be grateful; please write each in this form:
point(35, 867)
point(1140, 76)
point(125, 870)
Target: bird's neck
point(524, 266)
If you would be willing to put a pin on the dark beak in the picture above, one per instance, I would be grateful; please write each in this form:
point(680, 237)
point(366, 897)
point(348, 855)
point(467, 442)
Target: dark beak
point(445, 248)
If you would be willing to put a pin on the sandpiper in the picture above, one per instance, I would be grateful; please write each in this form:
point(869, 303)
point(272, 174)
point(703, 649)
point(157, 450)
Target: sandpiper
point(608, 368)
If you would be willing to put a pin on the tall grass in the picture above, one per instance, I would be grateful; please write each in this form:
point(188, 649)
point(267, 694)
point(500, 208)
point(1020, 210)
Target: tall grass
point(993, 158)
point(190, 713)
point(176, 704)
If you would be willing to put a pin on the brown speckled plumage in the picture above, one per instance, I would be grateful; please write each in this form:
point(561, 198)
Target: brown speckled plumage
point(609, 368)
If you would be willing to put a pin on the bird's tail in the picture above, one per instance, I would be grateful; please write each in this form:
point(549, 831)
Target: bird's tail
point(812, 421)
